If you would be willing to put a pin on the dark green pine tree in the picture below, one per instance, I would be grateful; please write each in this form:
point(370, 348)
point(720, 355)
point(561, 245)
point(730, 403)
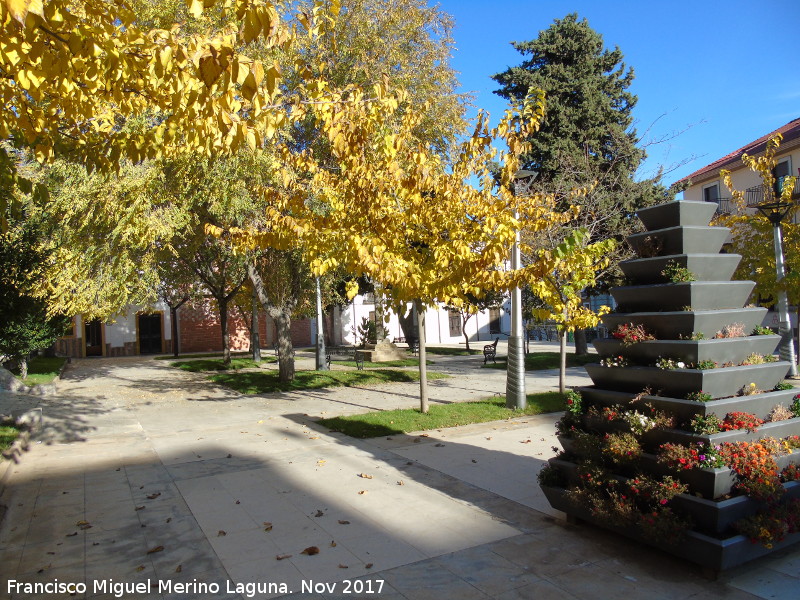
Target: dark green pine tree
point(587, 136)
point(587, 124)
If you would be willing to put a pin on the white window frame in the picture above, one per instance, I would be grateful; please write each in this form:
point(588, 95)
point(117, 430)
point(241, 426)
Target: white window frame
point(709, 186)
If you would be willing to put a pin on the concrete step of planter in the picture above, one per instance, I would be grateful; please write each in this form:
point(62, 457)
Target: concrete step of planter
point(699, 295)
point(678, 383)
point(679, 212)
point(713, 553)
point(721, 351)
point(679, 240)
point(709, 516)
point(668, 325)
point(704, 267)
point(777, 430)
point(685, 410)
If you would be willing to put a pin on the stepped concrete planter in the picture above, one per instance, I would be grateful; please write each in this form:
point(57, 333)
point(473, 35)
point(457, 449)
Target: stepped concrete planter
point(678, 383)
point(711, 552)
point(677, 314)
point(721, 351)
point(718, 516)
point(685, 410)
point(677, 213)
point(667, 325)
point(705, 267)
point(777, 430)
point(679, 240)
point(699, 295)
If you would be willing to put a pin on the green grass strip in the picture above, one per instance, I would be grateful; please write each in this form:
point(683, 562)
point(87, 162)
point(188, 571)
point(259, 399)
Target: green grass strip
point(41, 370)
point(8, 434)
point(539, 361)
point(408, 362)
point(261, 382)
point(452, 351)
point(393, 422)
point(216, 364)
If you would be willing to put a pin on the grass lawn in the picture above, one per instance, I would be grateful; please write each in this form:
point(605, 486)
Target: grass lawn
point(537, 361)
point(260, 382)
point(216, 364)
point(391, 422)
point(408, 362)
point(41, 370)
point(8, 434)
point(452, 351)
point(207, 355)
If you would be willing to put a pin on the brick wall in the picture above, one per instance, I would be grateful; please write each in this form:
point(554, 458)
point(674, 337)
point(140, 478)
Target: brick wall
point(199, 329)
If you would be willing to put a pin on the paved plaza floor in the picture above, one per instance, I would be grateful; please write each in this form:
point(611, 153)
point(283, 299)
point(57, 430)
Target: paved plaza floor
point(149, 482)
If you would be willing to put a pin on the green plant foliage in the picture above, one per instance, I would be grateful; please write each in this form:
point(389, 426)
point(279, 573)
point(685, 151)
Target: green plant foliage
point(676, 273)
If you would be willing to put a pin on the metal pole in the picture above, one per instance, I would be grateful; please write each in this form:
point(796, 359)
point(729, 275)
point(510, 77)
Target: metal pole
point(784, 322)
point(322, 364)
point(515, 376)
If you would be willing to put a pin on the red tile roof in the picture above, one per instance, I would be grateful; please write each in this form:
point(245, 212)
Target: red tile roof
point(790, 132)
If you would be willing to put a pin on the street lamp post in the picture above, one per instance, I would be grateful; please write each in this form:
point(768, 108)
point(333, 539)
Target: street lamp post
point(515, 376)
point(321, 362)
point(776, 212)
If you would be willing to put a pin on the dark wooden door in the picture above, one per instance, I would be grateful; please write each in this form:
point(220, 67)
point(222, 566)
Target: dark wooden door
point(93, 332)
point(150, 334)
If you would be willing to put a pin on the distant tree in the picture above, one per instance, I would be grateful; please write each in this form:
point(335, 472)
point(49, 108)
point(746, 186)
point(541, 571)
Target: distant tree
point(586, 139)
point(25, 325)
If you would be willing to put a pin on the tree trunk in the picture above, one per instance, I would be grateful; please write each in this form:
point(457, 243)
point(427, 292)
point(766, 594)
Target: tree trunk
point(255, 338)
point(562, 368)
point(23, 367)
point(423, 367)
point(464, 320)
point(581, 343)
point(222, 303)
point(407, 323)
point(285, 351)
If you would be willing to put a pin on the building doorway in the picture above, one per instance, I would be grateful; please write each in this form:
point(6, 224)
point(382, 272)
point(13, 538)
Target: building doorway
point(93, 334)
point(150, 334)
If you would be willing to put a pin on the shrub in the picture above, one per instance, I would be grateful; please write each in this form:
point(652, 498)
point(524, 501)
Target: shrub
point(631, 334)
point(779, 413)
point(705, 365)
point(733, 330)
point(677, 274)
point(783, 386)
point(700, 396)
point(759, 330)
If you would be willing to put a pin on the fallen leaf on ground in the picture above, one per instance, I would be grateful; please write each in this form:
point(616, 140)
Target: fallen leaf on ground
point(267, 526)
point(343, 567)
point(283, 556)
point(319, 513)
point(439, 445)
point(342, 522)
point(401, 482)
point(238, 502)
point(525, 442)
point(169, 519)
point(153, 496)
point(333, 544)
point(368, 566)
point(365, 476)
point(139, 508)
point(156, 549)
point(222, 533)
point(473, 460)
point(179, 568)
point(423, 435)
point(417, 440)
point(362, 492)
point(140, 568)
point(311, 551)
point(71, 534)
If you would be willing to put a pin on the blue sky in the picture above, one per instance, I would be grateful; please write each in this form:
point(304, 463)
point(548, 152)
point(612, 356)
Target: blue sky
point(725, 72)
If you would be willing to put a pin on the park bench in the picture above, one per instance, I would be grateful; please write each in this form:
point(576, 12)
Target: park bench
point(490, 351)
point(345, 353)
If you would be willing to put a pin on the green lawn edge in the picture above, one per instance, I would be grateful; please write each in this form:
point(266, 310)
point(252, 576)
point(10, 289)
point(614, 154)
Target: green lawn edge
point(263, 382)
point(42, 370)
point(399, 421)
point(8, 433)
point(199, 365)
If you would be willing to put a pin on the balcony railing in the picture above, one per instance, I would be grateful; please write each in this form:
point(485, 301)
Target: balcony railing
point(760, 194)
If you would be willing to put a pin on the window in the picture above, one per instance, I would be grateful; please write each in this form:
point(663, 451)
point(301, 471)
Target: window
point(711, 193)
point(494, 320)
point(455, 322)
point(782, 169)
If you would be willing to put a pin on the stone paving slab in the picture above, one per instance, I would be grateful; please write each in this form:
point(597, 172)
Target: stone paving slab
point(148, 474)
